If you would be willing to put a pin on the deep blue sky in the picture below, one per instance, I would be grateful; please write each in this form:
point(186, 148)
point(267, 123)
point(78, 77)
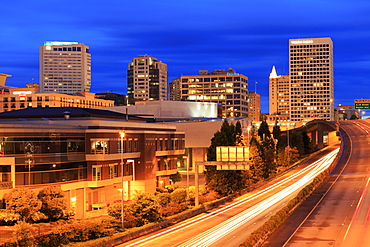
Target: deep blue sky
point(189, 35)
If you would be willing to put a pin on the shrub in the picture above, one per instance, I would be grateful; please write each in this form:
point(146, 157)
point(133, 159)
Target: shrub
point(210, 196)
point(115, 210)
point(8, 217)
point(163, 199)
point(178, 195)
point(129, 220)
point(77, 231)
point(23, 235)
point(171, 209)
point(145, 207)
point(171, 188)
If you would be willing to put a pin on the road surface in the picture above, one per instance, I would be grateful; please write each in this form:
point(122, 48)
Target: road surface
point(342, 217)
point(231, 224)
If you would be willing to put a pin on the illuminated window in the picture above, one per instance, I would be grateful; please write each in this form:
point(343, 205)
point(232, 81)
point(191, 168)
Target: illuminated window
point(99, 147)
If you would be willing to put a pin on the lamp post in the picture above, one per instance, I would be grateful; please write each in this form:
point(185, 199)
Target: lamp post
point(248, 129)
point(122, 135)
point(288, 144)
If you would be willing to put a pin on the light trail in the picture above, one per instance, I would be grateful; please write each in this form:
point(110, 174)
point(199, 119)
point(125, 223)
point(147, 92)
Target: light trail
point(312, 167)
point(212, 235)
point(358, 207)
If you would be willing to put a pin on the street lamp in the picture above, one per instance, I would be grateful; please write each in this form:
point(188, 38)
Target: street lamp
point(122, 135)
point(248, 129)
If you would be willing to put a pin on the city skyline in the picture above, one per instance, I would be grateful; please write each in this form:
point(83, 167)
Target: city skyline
point(188, 36)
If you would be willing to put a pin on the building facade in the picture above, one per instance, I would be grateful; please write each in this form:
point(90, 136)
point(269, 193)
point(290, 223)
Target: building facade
point(165, 110)
point(225, 87)
point(119, 99)
point(175, 89)
point(65, 67)
point(279, 93)
point(3, 79)
point(254, 104)
point(311, 79)
point(85, 154)
point(147, 79)
point(20, 98)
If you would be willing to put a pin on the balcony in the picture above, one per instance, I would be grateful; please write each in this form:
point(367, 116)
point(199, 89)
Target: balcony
point(166, 172)
point(170, 152)
point(106, 157)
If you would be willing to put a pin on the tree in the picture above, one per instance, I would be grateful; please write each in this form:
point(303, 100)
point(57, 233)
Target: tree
point(224, 182)
point(54, 203)
point(307, 143)
point(354, 117)
point(263, 130)
point(256, 164)
point(268, 157)
point(276, 132)
point(176, 177)
point(239, 134)
point(282, 159)
point(296, 140)
point(24, 202)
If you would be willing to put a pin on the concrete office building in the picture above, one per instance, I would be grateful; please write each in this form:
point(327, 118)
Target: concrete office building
point(254, 104)
point(147, 79)
point(65, 67)
point(279, 93)
point(225, 87)
point(311, 79)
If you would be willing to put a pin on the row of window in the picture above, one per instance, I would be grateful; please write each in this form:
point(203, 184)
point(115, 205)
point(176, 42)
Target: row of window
point(308, 46)
point(214, 79)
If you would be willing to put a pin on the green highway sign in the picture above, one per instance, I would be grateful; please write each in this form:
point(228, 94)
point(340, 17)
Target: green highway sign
point(362, 105)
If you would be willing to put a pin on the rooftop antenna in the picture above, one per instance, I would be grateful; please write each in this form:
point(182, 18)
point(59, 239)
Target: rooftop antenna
point(255, 87)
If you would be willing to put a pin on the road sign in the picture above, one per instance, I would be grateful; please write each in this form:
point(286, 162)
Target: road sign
point(362, 100)
point(362, 105)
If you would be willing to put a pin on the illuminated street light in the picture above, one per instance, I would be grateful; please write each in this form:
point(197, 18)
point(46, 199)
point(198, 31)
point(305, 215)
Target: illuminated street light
point(248, 129)
point(122, 135)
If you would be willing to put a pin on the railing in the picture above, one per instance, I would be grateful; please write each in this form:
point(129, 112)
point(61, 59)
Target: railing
point(6, 185)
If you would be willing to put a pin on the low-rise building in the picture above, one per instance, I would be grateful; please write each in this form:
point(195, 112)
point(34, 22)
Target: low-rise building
point(12, 98)
point(83, 152)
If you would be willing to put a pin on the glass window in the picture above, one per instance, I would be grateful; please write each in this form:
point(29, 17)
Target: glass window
point(113, 171)
point(99, 147)
point(96, 176)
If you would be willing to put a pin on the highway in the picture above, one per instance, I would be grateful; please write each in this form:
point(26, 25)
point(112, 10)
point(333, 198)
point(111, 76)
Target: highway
point(231, 224)
point(342, 216)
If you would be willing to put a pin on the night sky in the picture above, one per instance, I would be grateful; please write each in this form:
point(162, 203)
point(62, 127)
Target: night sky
point(189, 35)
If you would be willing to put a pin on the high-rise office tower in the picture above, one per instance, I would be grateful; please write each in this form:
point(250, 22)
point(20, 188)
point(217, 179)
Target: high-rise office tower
point(254, 103)
point(279, 93)
point(225, 87)
point(147, 79)
point(311, 79)
point(65, 67)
